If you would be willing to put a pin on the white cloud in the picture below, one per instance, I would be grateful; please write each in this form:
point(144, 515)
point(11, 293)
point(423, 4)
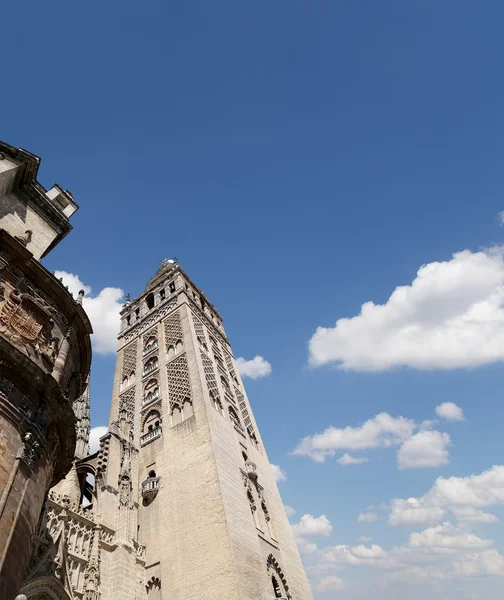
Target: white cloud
point(451, 316)
point(450, 412)
point(381, 430)
point(348, 459)
point(424, 449)
point(102, 310)
point(94, 438)
point(278, 473)
point(289, 511)
point(331, 583)
point(500, 216)
point(467, 514)
point(414, 512)
point(367, 517)
point(310, 526)
point(365, 539)
point(256, 368)
point(452, 493)
point(489, 562)
point(447, 536)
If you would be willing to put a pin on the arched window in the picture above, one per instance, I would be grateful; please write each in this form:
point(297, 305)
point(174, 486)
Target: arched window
point(176, 415)
point(149, 301)
point(153, 588)
point(150, 365)
point(234, 418)
point(278, 581)
point(151, 391)
point(216, 402)
point(276, 587)
point(187, 409)
point(153, 421)
point(150, 345)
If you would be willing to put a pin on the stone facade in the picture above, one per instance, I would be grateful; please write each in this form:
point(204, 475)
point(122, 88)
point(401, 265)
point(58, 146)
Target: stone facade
point(45, 354)
point(179, 502)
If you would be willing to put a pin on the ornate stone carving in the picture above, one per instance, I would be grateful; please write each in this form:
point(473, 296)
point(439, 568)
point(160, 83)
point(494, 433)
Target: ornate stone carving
point(27, 324)
point(30, 451)
point(155, 316)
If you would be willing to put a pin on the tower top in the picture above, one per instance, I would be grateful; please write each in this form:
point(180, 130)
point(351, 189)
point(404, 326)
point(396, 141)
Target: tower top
point(36, 217)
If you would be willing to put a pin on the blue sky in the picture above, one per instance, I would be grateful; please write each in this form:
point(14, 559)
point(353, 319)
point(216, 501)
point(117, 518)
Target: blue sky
point(301, 159)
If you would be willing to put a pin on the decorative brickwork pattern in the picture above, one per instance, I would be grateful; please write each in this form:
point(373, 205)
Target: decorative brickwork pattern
point(156, 316)
point(200, 331)
point(211, 381)
point(179, 385)
point(173, 330)
point(127, 403)
point(129, 359)
point(229, 362)
point(244, 411)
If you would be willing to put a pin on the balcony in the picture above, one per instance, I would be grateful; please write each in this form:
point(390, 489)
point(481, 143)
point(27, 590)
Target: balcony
point(251, 469)
point(151, 435)
point(150, 397)
point(150, 348)
point(151, 367)
point(150, 488)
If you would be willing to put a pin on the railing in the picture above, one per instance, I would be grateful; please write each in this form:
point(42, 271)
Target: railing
point(150, 348)
point(150, 485)
point(150, 436)
point(151, 396)
point(149, 368)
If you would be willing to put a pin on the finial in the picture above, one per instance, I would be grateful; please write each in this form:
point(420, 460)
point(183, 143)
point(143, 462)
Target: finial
point(81, 296)
point(128, 300)
point(24, 239)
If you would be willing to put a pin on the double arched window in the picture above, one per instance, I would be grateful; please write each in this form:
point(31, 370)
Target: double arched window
point(151, 391)
point(151, 365)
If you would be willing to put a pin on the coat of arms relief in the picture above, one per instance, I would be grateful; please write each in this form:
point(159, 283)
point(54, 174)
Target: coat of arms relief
point(26, 323)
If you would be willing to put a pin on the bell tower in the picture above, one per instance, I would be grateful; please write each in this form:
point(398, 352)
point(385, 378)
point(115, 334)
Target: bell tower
point(209, 513)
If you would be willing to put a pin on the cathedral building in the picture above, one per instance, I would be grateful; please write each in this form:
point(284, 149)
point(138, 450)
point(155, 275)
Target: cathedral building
point(180, 501)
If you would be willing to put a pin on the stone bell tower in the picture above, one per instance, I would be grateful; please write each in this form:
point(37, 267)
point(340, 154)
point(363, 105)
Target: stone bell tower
point(184, 472)
point(45, 354)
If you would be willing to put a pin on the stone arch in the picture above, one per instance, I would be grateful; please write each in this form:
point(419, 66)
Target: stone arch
point(275, 573)
point(47, 587)
point(151, 415)
point(153, 588)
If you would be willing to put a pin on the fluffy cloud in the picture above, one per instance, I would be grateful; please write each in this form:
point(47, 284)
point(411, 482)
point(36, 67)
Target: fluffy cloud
point(310, 526)
point(467, 514)
point(489, 562)
point(424, 449)
point(381, 430)
point(102, 310)
point(450, 412)
point(414, 512)
point(255, 369)
point(278, 473)
point(331, 583)
point(367, 517)
point(348, 459)
point(94, 438)
point(462, 495)
point(289, 511)
point(447, 536)
point(451, 316)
